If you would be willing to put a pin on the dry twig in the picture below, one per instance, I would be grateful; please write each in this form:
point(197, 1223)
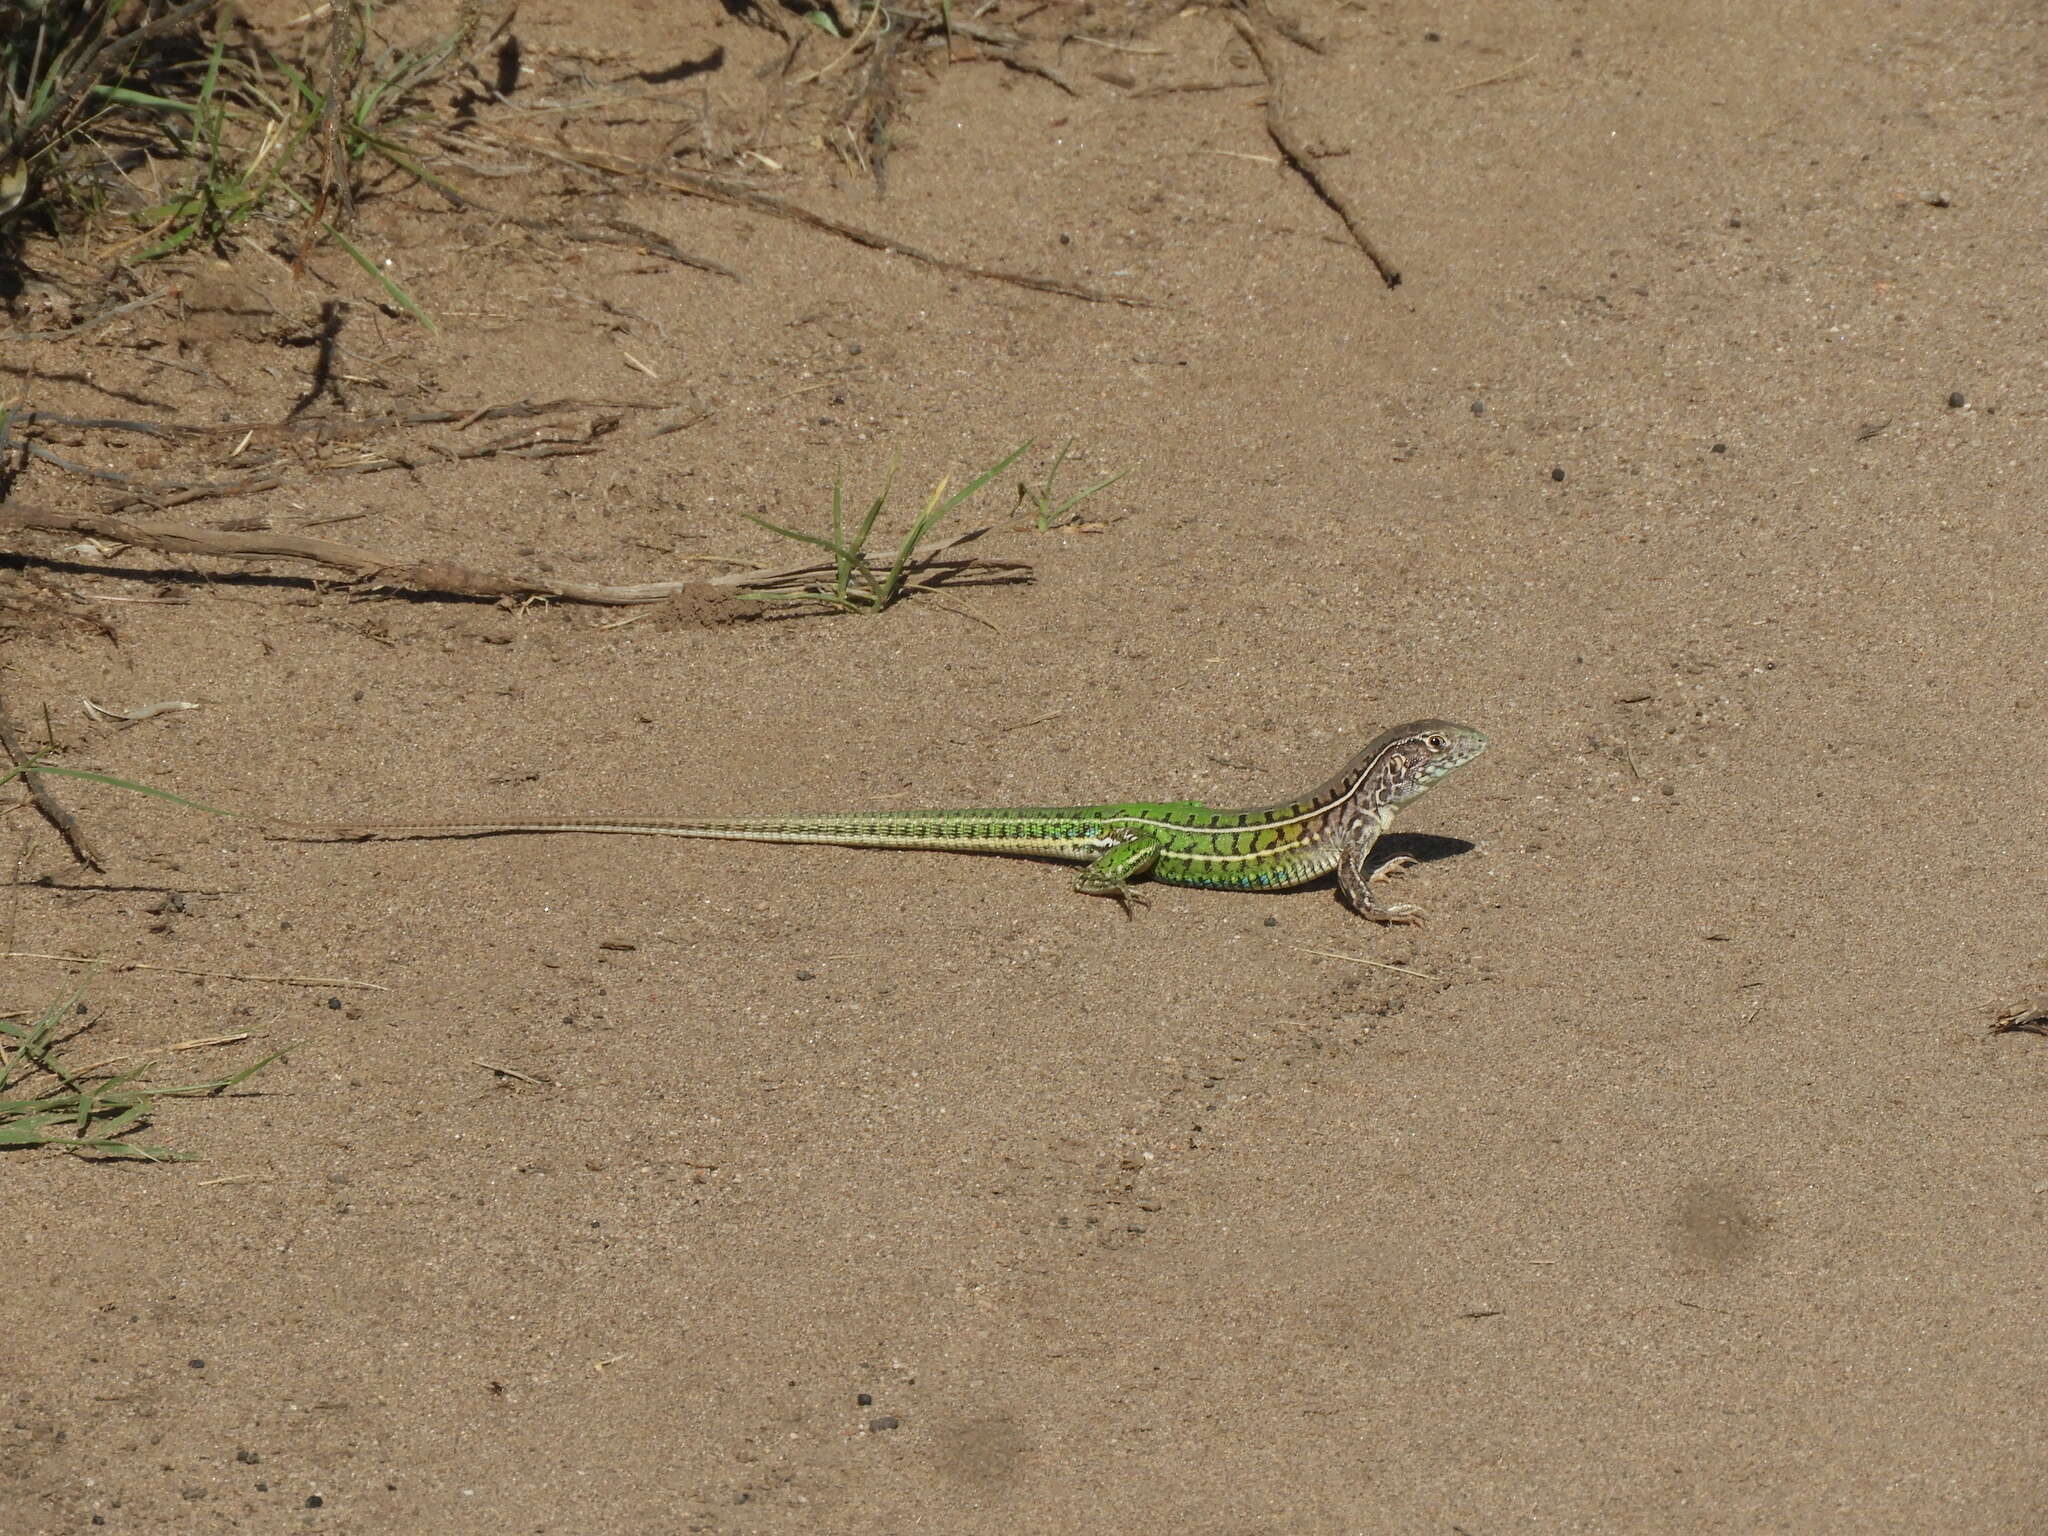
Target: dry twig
point(1507, 74)
point(54, 811)
point(384, 571)
point(1297, 155)
point(718, 190)
point(183, 970)
point(276, 439)
point(1383, 965)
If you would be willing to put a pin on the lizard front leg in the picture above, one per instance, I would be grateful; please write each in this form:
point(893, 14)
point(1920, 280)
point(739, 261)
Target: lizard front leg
point(1112, 874)
point(1357, 880)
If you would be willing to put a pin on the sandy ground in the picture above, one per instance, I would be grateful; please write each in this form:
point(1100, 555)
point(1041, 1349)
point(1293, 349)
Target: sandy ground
point(661, 1186)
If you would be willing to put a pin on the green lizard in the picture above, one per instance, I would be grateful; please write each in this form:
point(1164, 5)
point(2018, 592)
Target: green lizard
point(1179, 842)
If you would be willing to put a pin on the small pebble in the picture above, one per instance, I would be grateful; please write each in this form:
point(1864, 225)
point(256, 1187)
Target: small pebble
point(1557, 474)
point(314, 1501)
point(1720, 447)
point(864, 1399)
point(885, 1421)
point(1478, 407)
point(1956, 401)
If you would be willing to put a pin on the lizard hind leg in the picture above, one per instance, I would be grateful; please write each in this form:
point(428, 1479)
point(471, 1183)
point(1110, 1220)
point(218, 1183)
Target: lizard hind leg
point(1114, 872)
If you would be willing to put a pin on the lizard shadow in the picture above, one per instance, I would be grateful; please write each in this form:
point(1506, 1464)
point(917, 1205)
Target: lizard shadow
point(1422, 847)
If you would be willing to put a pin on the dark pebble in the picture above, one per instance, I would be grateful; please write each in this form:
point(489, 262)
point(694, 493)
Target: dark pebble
point(334, 1003)
point(1478, 407)
point(806, 975)
point(1956, 401)
point(196, 1364)
point(1557, 474)
point(1720, 447)
point(864, 1399)
point(314, 1501)
point(886, 1421)
point(247, 1458)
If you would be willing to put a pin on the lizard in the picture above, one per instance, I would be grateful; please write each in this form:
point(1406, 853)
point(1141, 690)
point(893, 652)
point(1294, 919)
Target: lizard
point(1179, 842)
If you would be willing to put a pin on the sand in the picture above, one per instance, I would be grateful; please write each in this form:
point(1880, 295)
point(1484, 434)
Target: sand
point(659, 1186)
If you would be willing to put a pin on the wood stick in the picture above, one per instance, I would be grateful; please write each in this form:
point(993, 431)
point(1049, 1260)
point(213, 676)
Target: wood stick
point(1297, 155)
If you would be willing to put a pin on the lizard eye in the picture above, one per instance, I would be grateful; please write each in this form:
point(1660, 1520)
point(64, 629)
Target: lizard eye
point(1439, 743)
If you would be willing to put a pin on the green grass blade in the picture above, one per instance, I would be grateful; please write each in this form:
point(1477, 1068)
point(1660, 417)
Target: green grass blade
point(120, 1124)
point(399, 296)
point(1078, 497)
point(121, 96)
point(37, 766)
point(981, 479)
point(232, 1080)
point(792, 533)
point(867, 524)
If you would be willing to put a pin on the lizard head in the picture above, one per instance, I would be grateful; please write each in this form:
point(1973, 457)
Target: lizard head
point(1410, 758)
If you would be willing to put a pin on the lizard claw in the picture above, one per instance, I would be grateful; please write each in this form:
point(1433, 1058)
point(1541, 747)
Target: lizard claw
point(1399, 864)
point(1401, 913)
point(1128, 897)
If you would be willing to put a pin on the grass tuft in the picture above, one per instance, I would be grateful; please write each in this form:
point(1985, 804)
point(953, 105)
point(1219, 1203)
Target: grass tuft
point(185, 119)
point(45, 1102)
point(1048, 512)
point(857, 585)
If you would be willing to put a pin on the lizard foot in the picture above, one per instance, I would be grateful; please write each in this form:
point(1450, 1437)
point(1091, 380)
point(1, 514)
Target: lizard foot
point(1401, 863)
point(1400, 913)
point(1127, 897)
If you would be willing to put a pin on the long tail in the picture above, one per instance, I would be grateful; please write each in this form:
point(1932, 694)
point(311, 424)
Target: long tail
point(1030, 832)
